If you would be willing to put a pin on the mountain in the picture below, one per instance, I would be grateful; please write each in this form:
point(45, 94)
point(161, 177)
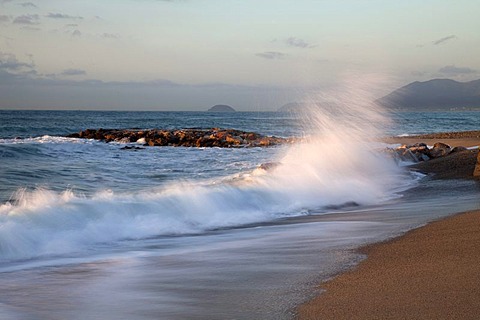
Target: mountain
point(292, 107)
point(434, 94)
point(221, 108)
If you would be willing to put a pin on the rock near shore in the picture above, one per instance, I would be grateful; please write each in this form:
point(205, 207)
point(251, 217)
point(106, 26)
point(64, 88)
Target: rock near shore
point(421, 152)
point(215, 137)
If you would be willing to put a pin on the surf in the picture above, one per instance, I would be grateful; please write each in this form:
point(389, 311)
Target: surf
point(338, 163)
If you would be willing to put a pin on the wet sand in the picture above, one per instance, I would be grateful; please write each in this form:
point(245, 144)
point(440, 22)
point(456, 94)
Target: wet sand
point(430, 273)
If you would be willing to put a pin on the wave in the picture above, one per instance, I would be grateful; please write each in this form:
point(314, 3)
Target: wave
point(43, 139)
point(338, 164)
point(44, 222)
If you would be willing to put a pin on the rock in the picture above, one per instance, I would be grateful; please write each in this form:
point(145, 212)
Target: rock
point(131, 148)
point(476, 171)
point(413, 153)
point(72, 135)
point(439, 150)
point(458, 149)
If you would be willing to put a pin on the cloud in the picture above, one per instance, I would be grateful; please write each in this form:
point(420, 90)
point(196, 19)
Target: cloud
point(12, 70)
point(444, 39)
point(453, 70)
point(28, 19)
point(62, 16)
point(298, 43)
point(28, 5)
point(30, 28)
point(9, 62)
point(418, 73)
point(4, 18)
point(271, 55)
point(73, 72)
point(76, 33)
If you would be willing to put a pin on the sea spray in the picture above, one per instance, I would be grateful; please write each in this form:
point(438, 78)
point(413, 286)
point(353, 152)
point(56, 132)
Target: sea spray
point(339, 162)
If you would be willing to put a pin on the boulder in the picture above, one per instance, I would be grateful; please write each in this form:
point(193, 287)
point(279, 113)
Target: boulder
point(439, 150)
point(458, 149)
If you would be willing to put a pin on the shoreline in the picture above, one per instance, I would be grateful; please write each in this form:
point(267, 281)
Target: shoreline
point(431, 272)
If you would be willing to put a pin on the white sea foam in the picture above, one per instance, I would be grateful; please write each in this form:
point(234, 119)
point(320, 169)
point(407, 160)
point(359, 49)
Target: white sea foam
point(45, 139)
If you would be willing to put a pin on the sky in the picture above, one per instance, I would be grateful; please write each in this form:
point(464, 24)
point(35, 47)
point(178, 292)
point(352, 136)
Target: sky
point(252, 54)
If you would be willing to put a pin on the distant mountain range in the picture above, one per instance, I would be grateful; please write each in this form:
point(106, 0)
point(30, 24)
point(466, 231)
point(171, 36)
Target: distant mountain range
point(441, 94)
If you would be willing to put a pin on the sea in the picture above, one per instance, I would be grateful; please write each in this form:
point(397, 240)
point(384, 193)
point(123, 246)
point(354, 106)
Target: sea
point(89, 230)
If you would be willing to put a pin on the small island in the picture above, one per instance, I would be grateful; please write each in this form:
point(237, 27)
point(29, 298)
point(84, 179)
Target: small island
point(221, 108)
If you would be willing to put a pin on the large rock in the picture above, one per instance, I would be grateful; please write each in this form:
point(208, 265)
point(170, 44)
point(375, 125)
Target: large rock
point(439, 150)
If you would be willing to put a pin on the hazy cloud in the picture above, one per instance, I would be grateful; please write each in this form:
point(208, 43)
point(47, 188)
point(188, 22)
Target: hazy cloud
point(9, 62)
point(418, 73)
point(73, 72)
point(12, 70)
point(110, 36)
point(4, 18)
point(299, 43)
point(444, 39)
point(28, 19)
point(31, 28)
point(453, 70)
point(28, 5)
point(271, 55)
point(62, 16)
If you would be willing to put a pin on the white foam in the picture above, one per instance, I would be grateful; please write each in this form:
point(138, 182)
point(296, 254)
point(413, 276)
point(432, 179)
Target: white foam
point(45, 139)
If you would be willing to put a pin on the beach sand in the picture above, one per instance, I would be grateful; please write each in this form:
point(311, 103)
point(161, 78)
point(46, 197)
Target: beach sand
point(432, 272)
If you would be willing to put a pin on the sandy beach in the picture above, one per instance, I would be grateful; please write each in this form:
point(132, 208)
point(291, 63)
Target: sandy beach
point(432, 272)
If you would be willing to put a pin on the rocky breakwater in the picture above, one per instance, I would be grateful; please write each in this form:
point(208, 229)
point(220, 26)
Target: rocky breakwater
point(215, 137)
point(441, 161)
point(421, 152)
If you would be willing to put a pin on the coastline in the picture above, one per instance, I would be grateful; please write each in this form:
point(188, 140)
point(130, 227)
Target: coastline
point(431, 272)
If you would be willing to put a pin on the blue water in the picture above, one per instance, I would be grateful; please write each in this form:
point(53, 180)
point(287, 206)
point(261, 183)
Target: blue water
point(27, 124)
point(88, 230)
